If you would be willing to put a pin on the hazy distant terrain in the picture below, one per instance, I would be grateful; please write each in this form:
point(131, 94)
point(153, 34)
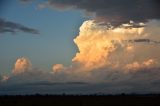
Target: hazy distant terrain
point(71, 88)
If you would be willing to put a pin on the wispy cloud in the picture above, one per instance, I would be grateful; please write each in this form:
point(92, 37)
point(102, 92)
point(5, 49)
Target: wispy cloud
point(12, 27)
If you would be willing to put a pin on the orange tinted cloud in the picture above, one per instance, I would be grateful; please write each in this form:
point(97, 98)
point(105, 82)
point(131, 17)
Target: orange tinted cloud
point(22, 65)
point(4, 78)
point(95, 44)
point(137, 65)
point(104, 50)
point(57, 67)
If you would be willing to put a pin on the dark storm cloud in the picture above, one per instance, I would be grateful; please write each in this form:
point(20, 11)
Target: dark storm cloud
point(8, 26)
point(115, 12)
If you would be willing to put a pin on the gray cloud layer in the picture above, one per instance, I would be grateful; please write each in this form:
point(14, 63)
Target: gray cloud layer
point(114, 11)
point(8, 26)
point(143, 81)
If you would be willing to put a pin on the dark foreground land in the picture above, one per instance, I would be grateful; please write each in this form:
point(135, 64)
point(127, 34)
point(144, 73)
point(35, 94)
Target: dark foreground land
point(83, 100)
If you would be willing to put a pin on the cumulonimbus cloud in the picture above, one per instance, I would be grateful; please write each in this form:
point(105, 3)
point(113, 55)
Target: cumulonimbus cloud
point(8, 26)
point(97, 49)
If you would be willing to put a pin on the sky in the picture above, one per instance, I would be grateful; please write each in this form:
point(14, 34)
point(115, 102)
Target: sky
point(53, 30)
point(79, 47)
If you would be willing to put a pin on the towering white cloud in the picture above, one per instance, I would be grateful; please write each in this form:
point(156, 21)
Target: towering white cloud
point(22, 65)
point(115, 48)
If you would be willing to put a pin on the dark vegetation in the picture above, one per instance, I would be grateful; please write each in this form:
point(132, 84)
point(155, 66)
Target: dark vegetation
point(80, 100)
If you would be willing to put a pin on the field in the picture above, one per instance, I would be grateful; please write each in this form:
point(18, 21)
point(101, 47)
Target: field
point(83, 100)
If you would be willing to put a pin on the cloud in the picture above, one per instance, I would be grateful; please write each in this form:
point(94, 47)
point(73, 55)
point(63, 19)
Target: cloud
point(139, 66)
point(57, 67)
point(115, 12)
point(99, 59)
point(118, 51)
point(101, 80)
point(8, 26)
point(102, 47)
point(104, 61)
point(22, 65)
point(108, 82)
point(4, 78)
point(149, 41)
